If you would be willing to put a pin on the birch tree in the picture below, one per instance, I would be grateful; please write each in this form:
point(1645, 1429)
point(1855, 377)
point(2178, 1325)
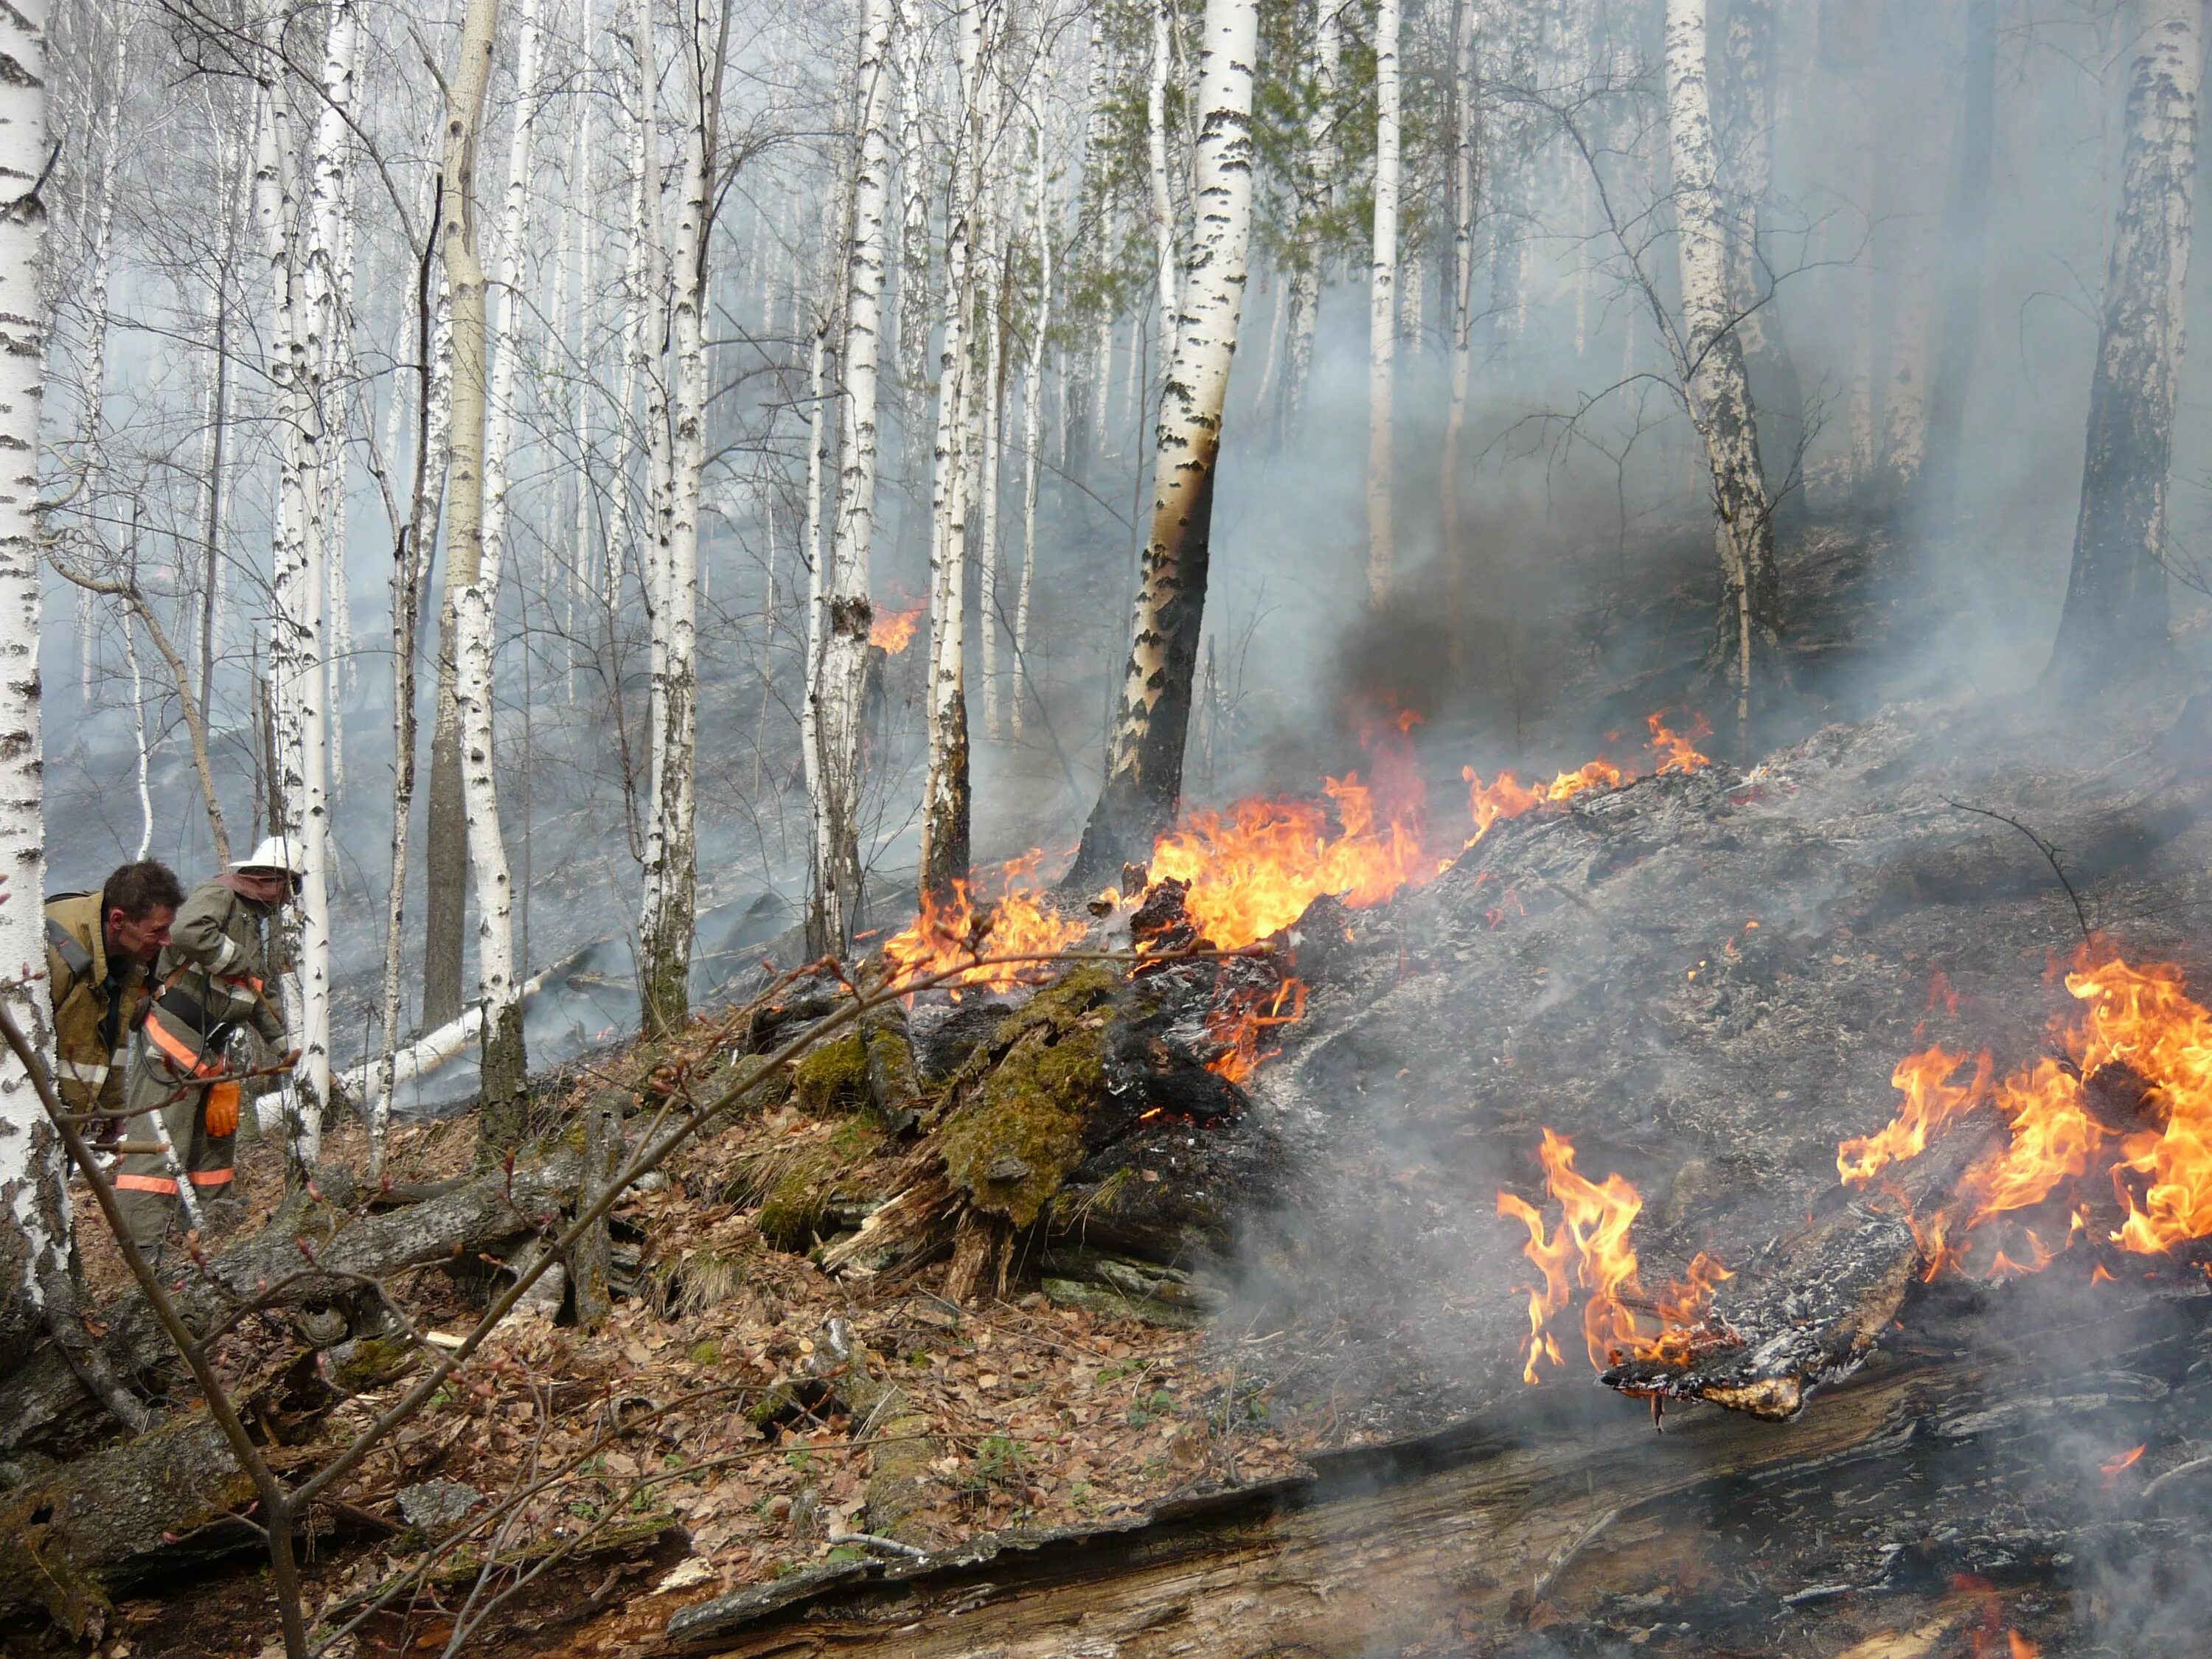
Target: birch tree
point(945, 804)
point(1156, 155)
point(1711, 364)
point(1751, 68)
point(1382, 311)
point(1032, 402)
point(2114, 622)
point(1144, 773)
point(38, 1248)
point(671, 856)
point(472, 584)
point(310, 313)
point(838, 612)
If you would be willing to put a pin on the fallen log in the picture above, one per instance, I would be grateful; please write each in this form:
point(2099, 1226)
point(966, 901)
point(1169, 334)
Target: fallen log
point(435, 1049)
point(314, 1255)
point(1545, 1514)
point(1809, 1311)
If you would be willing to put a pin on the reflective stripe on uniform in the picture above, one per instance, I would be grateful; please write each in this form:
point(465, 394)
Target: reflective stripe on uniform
point(225, 956)
point(208, 1178)
point(90, 1072)
point(197, 1065)
point(138, 1183)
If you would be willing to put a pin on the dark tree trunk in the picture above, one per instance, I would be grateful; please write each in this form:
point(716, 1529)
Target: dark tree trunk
point(2115, 619)
point(1143, 784)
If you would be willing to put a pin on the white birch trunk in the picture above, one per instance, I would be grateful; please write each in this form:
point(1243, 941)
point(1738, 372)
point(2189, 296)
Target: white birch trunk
point(1032, 397)
point(1144, 782)
point(1382, 312)
point(991, 415)
point(506, 296)
point(307, 350)
point(944, 801)
point(1712, 366)
point(838, 614)
point(34, 1189)
point(475, 594)
point(671, 861)
point(1156, 135)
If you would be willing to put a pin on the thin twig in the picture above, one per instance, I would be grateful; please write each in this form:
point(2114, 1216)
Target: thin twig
point(2049, 852)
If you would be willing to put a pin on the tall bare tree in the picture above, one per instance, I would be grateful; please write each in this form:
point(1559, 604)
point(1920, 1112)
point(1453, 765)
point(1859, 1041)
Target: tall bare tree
point(2115, 621)
point(1144, 772)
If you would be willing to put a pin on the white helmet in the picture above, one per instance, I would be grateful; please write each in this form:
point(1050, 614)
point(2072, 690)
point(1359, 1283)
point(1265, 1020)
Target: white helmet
point(275, 854)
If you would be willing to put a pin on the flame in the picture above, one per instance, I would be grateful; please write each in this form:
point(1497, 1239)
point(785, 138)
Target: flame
point(1018, 922)
point(2160, 1174)
point(1680, 754)
point(1255, 867)
point(2127, 1459)
point(894, 629)
point(1593, 1238)
point(1239, 1024)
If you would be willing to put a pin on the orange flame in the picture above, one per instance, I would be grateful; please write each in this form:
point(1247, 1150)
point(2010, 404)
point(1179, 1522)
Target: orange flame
point(2159, 1173)
point(1018, 922)
point(1680, 754)
point(1240, 1022)
point(894, 629)
point(1255, 867)
point(1593, 1237)
point(2110, 1468)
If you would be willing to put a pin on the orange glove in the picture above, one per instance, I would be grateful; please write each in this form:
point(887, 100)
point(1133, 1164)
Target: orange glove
point(222, 1110)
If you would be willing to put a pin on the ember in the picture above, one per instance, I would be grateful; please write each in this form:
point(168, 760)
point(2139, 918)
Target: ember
point(1593, 1234)
point(894, 629)
point(1018, 922)
point(2130, 1104)
point(1240, 1024)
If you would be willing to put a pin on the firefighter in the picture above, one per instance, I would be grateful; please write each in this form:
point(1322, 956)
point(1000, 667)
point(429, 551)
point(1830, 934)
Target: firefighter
point(100, 948)
point(211, 981)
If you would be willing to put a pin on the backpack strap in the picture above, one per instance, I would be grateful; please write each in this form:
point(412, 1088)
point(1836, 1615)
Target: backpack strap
point(74, 956)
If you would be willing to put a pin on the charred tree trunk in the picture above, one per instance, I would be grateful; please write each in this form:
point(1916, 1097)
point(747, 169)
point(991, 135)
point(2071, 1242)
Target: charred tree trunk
point(1144, 772)
point(2115, 619)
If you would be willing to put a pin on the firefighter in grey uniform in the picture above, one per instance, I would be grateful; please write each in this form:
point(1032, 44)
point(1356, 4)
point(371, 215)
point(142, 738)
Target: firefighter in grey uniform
point(211, 981)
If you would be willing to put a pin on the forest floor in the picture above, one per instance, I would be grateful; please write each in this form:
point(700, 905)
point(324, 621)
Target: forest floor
point(637, 1461)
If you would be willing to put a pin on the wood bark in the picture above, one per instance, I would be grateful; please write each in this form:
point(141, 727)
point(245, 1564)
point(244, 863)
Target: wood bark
point(1144, 775)
point(840, 617)
point(1162, 198)
point(1712, 368)
point(671, 858)
point(2114, 622)
point(309, 352)
point(1753, 65)
point(1460, 1542)
point(1382, 314)
point(1032, 438)
point(945, 802)
point(471, 587)
point(32, 1191)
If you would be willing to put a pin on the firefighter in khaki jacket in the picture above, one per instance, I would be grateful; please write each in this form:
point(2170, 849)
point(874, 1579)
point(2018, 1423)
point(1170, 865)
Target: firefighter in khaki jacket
point(211, 981)
point(100, 948)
